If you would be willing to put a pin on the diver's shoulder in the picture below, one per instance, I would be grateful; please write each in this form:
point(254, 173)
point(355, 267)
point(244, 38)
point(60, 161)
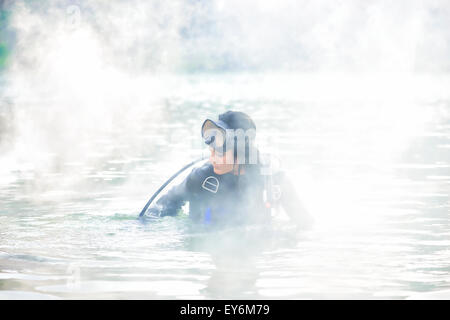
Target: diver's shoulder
point(195, 179)
point(200, 173)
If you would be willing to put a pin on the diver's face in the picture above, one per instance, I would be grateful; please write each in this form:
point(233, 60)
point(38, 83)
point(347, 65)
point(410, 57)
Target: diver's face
point(222, 163)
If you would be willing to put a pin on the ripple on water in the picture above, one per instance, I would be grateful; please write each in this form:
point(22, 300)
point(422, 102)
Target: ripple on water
point(377, 183)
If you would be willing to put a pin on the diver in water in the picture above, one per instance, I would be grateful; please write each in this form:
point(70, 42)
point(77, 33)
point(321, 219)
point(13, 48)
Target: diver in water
point(236, 185)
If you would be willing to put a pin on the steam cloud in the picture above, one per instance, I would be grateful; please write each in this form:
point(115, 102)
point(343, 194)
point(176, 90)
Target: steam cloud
point(79, 70)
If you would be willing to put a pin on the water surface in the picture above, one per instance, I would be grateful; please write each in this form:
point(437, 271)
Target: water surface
point(375, 174)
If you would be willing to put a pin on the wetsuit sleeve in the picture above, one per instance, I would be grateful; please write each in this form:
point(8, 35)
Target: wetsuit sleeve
point(291, 202)
point(170, 203)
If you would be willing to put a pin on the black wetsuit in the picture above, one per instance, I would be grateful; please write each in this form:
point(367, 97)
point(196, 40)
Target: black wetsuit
point(230, 199)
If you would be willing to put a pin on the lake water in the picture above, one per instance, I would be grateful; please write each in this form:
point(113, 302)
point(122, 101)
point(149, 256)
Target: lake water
point(371, 161)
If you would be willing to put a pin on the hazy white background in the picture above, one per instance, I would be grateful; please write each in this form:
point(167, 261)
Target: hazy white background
point(102, 100)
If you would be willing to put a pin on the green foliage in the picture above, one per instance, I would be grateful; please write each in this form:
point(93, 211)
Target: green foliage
point(3, 54)
point(3, 45)
point(3, 19)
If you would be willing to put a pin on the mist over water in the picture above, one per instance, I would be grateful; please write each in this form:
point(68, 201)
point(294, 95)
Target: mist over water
point(102, 101)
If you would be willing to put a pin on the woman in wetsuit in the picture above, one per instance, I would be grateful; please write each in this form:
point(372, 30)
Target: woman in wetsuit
point(234, 186)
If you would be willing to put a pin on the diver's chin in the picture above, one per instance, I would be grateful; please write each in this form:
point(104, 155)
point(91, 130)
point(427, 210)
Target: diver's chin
point(219, 171)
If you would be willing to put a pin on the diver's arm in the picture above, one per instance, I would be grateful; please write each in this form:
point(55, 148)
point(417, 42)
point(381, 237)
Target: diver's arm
point(291, 203)
point(170, 203)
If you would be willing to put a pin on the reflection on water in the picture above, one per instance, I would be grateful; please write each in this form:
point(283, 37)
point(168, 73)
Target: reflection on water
point(375, 175)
